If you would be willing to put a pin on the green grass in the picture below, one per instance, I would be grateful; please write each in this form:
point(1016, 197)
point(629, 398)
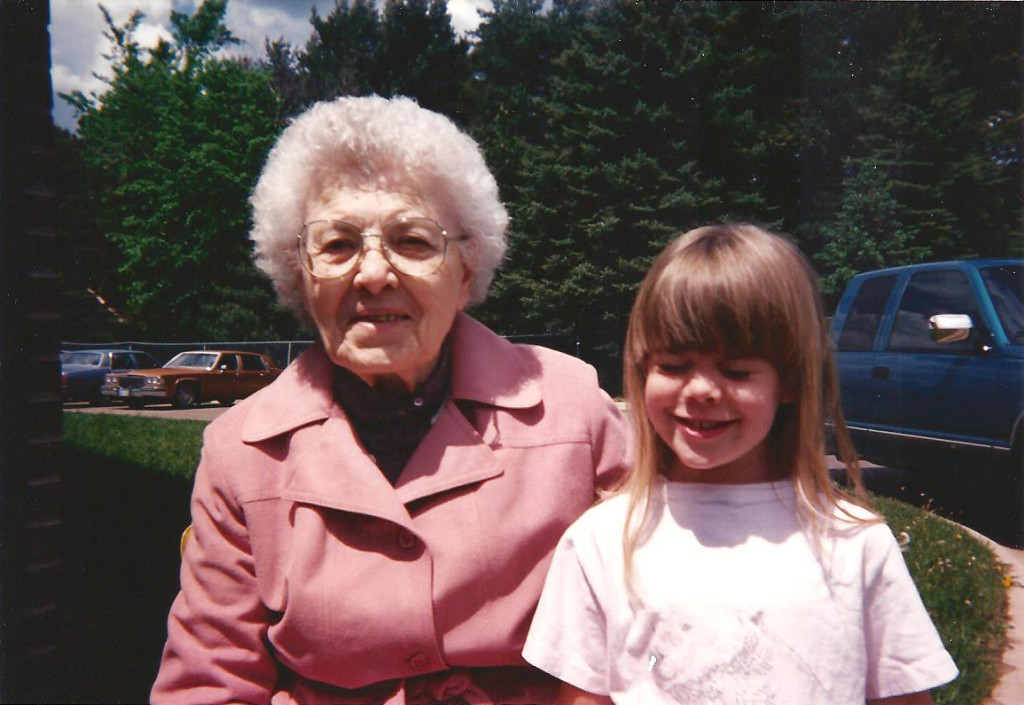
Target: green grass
point(963, 586)
point(128, 481)
point(160, 445)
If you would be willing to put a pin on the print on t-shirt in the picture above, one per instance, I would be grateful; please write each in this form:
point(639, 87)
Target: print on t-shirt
point(721, 655)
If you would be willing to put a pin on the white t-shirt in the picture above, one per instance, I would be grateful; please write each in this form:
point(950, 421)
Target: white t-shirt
point(738, 606)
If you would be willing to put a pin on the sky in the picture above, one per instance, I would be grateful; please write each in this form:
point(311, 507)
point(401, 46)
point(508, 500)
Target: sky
point(77, 44)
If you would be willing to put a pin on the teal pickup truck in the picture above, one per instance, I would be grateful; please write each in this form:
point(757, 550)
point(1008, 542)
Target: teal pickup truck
point(931, 371)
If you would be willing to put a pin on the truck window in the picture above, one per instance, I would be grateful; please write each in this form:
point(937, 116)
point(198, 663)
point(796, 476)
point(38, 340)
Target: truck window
point(1005, 286)
point(927, 294)
point(866, 311)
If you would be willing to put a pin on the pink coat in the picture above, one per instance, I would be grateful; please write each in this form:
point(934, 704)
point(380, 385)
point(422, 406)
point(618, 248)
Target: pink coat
point(309, 578)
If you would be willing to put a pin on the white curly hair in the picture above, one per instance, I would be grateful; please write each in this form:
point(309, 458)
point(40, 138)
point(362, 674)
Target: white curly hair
point(392, 144)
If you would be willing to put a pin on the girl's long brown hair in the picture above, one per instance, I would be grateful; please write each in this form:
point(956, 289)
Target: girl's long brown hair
point(742, 291)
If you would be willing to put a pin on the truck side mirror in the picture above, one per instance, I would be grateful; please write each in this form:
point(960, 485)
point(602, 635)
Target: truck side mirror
point(950, 327)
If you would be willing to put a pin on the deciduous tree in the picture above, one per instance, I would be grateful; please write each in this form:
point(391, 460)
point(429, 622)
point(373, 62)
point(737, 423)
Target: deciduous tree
point(173, 147)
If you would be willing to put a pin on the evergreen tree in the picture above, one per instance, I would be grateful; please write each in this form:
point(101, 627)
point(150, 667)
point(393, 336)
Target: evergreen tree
point(990, 187)
point(853, 245)
point(605, 184)
point(407, 47)
point(841, 46)
point(875, 134)
point(290, 82)
point(511, 70)
point(747, 104)
point(645, 135)
point(341, 56)
point(923, 154)
point(419, 55)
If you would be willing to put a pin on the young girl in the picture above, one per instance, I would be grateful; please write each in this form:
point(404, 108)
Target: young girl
point(732, 570)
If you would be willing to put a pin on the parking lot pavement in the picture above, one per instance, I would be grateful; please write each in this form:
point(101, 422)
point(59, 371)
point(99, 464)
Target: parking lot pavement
point(203, 412)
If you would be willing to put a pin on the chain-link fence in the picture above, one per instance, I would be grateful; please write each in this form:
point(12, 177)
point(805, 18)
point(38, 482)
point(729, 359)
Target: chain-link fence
point(283, 352)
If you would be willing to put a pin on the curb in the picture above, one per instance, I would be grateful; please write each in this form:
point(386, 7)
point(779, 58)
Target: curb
point(1009, 688)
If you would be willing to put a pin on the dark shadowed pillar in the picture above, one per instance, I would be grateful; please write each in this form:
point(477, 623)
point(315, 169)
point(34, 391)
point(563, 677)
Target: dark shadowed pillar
point(31, 615)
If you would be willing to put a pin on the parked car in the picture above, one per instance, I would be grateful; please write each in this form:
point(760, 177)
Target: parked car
point(82, 371)
point(931, 368)
point(192, 377)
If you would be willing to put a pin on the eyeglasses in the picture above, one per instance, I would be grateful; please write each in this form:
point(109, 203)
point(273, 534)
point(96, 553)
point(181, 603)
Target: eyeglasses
point(329, 249)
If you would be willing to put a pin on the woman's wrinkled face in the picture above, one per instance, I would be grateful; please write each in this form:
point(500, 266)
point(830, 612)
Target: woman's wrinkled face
point(381, 324)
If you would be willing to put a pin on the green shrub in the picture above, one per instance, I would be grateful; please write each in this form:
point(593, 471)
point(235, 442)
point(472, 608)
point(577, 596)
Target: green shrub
point(964, 588)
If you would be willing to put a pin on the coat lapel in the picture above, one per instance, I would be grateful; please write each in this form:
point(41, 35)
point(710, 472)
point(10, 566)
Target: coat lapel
point(327, 466)
point(451, 455)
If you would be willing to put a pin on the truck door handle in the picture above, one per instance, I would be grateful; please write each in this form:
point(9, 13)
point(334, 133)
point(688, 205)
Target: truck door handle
point(880, 372)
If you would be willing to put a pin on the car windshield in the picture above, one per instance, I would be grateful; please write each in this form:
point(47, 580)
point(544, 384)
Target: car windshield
point(82, 358)
point(193, 359)
point(1005, 285)
point(146, 360)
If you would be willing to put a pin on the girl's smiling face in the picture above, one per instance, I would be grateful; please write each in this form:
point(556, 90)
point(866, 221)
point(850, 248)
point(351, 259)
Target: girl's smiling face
point(714, 413)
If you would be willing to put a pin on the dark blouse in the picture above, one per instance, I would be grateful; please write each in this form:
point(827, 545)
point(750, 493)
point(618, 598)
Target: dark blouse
point(390, 421)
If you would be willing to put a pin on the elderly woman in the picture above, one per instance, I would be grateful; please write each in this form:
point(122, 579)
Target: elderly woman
point(375, 526)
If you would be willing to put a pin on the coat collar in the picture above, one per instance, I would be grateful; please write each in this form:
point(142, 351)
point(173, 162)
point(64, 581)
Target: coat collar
point(327, 467)
point(486, 369)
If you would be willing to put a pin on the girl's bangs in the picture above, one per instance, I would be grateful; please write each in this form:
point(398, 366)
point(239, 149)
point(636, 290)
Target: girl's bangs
point(724, 311)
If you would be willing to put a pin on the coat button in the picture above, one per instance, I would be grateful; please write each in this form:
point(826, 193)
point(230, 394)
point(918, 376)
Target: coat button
point(419, 662)
point(406, 539)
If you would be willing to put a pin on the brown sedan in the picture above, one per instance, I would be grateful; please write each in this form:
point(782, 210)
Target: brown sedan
point(190, 378)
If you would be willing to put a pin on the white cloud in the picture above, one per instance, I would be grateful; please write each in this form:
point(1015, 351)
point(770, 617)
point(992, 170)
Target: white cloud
point(253, 21)
point(465, 14)
point(149, 34)
point(65, 81)
point(77, 44)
